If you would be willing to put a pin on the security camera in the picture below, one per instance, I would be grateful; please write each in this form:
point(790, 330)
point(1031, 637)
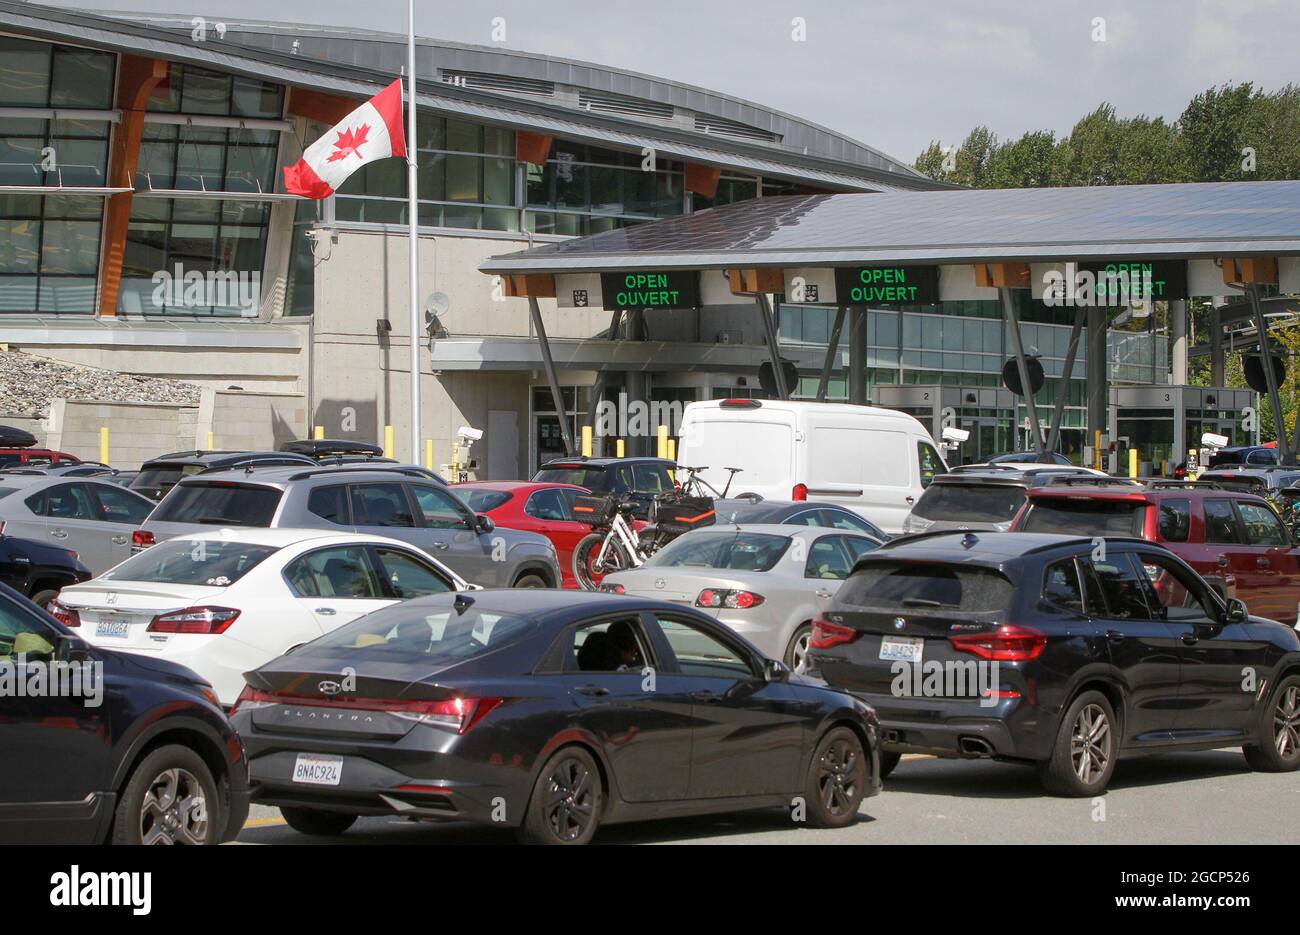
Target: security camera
point(953, 434)
point(1210, 440)
point(469, 434)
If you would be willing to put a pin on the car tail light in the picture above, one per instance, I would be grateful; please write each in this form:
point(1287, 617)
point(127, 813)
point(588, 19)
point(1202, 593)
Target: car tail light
point(1007, 643)
point(210, 620)
point(800, 492)
point(61, 612)
point(732, 599)
point(826, 634)
point(459, 713)
point(142, 539)
point(740, 404)
point(613, 588)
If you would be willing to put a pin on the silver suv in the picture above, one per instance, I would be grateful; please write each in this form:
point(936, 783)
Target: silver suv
point(401, 503)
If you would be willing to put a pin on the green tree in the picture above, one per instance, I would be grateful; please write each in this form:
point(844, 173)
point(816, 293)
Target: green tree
point(1211, 132)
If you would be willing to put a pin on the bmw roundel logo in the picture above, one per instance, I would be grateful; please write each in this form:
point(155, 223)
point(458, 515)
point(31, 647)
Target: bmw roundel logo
point(899, 623)
point(329, 687)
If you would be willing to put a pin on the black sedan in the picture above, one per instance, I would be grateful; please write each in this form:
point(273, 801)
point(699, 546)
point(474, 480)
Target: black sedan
point(1069, 653)
point(750, 511)
point(129, 749)
point(550, 712)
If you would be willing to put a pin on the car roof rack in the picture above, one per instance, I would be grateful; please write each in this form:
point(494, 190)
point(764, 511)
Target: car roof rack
point(354, 468)
point(1090, 480)
point(1175, 483)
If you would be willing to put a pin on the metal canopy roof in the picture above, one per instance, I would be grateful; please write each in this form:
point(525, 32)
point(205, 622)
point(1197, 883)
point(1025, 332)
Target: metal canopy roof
point(1185, 221)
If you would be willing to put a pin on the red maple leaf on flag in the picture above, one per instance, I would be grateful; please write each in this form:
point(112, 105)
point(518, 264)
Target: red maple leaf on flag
point(349, 143)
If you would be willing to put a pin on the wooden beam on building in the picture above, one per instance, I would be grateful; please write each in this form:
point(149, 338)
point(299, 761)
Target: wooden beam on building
point(529, 285)
point(319, 106)
point(138, 78)
point(756, 281)
point(1002, 275)
point(532, 147)
point(1249, 269)
point(702, 180)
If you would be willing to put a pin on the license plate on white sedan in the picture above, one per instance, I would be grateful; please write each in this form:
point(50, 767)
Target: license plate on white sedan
point(113, 629)
point(901, 648)
point(318, 770)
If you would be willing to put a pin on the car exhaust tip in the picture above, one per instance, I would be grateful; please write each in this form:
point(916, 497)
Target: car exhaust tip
point(974, 747)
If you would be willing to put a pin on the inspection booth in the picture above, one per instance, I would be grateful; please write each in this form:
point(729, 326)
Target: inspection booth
point(1162, 422)
point(988, 413)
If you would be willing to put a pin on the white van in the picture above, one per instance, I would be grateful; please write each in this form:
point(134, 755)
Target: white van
point(874, 461)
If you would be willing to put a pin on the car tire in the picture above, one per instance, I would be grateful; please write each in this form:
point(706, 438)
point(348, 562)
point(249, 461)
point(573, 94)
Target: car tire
point(170, 798)
point(567, 799)
point(888, 763)
point(1083, 756)
point(1277, 746)
point(530, 580)
point(796, 652)
point(42, 598)
point(837, 779)
point(315, 822)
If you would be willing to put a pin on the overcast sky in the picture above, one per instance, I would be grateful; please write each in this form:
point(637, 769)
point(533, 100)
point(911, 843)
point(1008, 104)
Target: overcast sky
point(895, 75)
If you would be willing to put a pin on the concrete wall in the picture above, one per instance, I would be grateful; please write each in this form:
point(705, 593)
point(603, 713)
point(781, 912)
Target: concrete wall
point(251, 421)
point(137, 431)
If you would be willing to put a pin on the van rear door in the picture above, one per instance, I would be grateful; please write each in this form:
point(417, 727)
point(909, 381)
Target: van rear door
point(760, 441)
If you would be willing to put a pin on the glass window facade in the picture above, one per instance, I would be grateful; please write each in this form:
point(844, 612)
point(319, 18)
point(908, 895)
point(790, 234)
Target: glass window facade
point(49, 252)
point(586, 189)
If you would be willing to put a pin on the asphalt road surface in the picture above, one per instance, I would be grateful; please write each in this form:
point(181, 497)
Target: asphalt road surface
point(1187, 798)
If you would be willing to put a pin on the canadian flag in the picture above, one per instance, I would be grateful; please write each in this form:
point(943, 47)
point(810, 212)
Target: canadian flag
point(372, 131)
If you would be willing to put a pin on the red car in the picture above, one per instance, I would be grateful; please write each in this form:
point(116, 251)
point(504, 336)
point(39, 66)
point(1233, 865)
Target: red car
point(532, 506)
point(1233, 539)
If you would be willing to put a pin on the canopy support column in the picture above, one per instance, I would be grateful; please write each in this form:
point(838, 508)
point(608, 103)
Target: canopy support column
point(1270, 377)
point(1013, 321)
point(773, 349)
point(548, 364)
point(858, 356)
point(1063, 391)
point(832, 351)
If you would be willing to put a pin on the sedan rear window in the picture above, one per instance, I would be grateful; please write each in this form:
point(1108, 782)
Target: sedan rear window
point(970, 503)
point(479, 500)
point(219, 504)
point(431, 636)
point(218, 562)
point(593, 479)
point(894, 586)
point(1085, 517)
point(735, 551)
point(158, 479)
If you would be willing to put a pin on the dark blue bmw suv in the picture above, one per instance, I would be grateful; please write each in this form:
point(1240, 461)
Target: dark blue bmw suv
point(1066, 652)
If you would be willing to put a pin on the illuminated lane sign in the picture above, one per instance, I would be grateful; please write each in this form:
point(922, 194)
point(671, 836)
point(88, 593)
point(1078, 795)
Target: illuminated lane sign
point(1127, 278)
point(887, 285)
point(631, 291)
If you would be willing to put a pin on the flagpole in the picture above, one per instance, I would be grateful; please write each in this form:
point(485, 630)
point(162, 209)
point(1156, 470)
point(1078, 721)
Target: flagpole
point(412, 210)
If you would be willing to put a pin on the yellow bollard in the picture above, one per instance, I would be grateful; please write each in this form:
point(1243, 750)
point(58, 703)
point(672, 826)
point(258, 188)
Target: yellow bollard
point(618, 448)
point(388, 441)
point(455, 460)
point(318, 433)
point(1096, 451)
point(428, 453)
point(672, 450)
point(1133, 463)
point(586, 441)
point(661, 448)
point(103, 445)
point(211, 443)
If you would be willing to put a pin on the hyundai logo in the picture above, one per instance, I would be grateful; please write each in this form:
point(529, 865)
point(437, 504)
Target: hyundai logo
point(329, 687)
point(899, 623)
point(660, 584)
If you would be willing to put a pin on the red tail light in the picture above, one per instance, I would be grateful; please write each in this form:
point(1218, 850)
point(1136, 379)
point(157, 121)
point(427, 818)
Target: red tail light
point(61, 612)
point(800, 492)
point(740, 404)
point(613, 588)
point(1008, 643)
point(142, 539)
point(458, 713)
point(826, 634)
point(734, 600)
point(209, 620)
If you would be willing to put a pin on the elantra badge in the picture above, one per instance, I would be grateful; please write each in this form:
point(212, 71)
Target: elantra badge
point(328, 687)
point(899, 623)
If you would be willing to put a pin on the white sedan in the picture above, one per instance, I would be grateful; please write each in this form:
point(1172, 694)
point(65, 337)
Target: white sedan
point(225, 602)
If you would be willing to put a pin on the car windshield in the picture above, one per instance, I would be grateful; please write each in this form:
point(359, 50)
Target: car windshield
point(481, 500)
point(970, 503)
point(216, 562)
point(895, 585)
point(219, 504)
point(735, 551)
point(436, 636)
point(1085, 517)
point(589, 477)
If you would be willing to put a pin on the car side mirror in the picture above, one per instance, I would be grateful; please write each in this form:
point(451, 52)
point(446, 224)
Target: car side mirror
point(72, 649)
point(484, 523)
point(1236, 611)
point(774, 670)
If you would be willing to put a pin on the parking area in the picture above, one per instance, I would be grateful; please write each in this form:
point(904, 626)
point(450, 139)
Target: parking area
point(1189, 798)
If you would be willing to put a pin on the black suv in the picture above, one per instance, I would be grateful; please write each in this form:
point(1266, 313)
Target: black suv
point(135, 751)
point(1066, 652)
point(638, 480)
point(38, 570)
point(160, 474)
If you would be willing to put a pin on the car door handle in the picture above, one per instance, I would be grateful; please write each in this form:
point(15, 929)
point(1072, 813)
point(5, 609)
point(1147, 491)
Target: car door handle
point(1223, 561)
point(822, 592)
point(326, 611)
point(910, 500)
point(59, 533)
point(1115, 636)
point(442, 546)
point(705, 697)
point(1261, 563)
point(1191, 639)
point(596, 691)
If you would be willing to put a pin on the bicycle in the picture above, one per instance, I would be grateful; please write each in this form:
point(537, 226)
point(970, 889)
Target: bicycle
point(614, 545)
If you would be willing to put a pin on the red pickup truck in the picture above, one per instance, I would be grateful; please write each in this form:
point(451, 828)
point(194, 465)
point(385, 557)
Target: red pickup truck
point(1233, 539)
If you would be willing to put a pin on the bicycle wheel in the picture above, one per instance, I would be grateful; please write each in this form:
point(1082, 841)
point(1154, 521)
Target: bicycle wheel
point(588, 569)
